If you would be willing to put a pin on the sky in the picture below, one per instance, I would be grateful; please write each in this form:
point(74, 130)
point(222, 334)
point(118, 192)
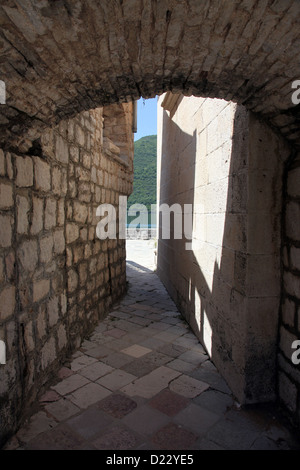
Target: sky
point(146, 118)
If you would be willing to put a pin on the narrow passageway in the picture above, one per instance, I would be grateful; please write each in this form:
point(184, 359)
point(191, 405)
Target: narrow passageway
point(143, 381)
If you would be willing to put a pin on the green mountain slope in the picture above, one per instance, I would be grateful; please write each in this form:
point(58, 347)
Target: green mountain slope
point(144, 183)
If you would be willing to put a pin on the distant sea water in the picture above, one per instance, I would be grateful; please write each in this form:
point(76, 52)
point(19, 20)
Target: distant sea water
point(139, 226)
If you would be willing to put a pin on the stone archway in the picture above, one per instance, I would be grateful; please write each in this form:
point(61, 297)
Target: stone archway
point(62, 58)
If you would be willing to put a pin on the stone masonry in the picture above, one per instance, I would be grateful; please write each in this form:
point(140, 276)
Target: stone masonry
point(62, 63)
point(220, 159)
point(289, 372)
point(57, 277)
point(60, 58)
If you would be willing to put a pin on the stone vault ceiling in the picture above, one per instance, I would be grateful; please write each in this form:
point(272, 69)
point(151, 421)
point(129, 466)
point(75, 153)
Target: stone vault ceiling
point(59, 57)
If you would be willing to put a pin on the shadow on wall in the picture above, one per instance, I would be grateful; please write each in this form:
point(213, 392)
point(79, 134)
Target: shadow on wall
point(228, 285)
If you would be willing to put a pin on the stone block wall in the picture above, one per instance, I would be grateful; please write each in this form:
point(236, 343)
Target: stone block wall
point(221, 159)
point(289, 353)
point(57, 278)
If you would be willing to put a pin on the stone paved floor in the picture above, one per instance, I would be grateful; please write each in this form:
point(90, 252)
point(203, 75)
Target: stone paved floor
point(143, 381)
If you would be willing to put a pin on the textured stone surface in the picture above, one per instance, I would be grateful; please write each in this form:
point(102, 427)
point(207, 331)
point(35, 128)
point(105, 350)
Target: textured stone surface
point(57, 169)
point(164, 421)
point(224, 274)
point(67, 277)
point(117, 406)
point(209, 50)
point(288, 374)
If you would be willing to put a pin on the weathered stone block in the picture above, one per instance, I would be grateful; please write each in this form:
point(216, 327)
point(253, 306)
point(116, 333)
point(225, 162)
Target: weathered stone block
point(50, 214)
point(80, 212)
point(293, 185)
point(22, 214)
point(59, 242)
point(292, 218)
point(41, 322)
point(29, 336)
point(42, 175)
point(295, 257)
point(28, 255)
point(7, 302)
point(61, 212)
point(86, 160)
point(288, 312)
point(24, 176)
point(56, 181)
point(2, 163)
point(9, 166)
point(46, 249)
point(62, 337)
point(37, 215)
point(61, 149)
point(63, 302)
point(53, 311)
point(72, 232)
point(82, 270)
point(72, 280)
point(79, 135)
point(291, 284)
point(5, 231)
point(287, 392)
point(6, 196)
point(74, 153)
point(48, 353)
point(40, 289)
point(2, 270)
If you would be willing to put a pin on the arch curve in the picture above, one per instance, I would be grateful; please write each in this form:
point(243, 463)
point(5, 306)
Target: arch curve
point(59, 58)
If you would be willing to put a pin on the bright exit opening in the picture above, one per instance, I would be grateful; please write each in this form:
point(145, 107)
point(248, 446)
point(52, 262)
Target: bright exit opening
point(141, 219)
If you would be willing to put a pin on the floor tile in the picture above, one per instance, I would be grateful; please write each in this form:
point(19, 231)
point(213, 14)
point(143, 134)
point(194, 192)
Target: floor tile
point(88, 395)
point(136, 350)
point(215, 401)
point(153, 343)
point(38, 423)
point(174, 437)
point(197, 419)
point(96, 370)
point(70, 384)
point(188, 387)
point(116, 380)
point(115, 333)
point(169, 402)
point(98, 351)
point(151, 384)
point(181, 366)
point(89, 423)
point(235, 431)
point(117, 360)
point(116, 438)
point(145, 420)
point(171, 349)
point(65, 372)
point(60, 438)
point(194, 357)
point(210, 376)
point(62, 409)
point(81, 362)
point(146, 364)
point(50, 396)
point(117, 405)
